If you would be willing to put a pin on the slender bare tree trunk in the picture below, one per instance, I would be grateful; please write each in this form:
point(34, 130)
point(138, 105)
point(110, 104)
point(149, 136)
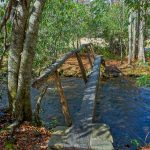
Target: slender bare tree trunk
point(21, 55)
point(18, 36)
point(130, 38)
point(141, 55)
point(134, 35)
point(23, 98)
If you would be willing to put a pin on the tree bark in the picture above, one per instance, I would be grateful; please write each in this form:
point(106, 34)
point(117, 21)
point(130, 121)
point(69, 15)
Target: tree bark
point(134, 29)
point(18, 36)
point(141, 55)
point(23, 99)
point(130, 38)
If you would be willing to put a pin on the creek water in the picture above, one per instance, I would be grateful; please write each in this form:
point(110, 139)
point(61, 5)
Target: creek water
point(120, 104)
point(126, 109)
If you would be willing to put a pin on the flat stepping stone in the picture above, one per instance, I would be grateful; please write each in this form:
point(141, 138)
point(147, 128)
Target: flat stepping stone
point(98, 137)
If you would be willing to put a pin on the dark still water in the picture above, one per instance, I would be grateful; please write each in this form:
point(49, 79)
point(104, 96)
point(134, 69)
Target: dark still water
point(126, 109)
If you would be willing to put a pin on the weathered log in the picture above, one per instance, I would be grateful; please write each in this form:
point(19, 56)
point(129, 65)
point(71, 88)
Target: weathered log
point(63, 101)
point(51, 70)
point(88, 104)
point(81, 67)
point(84, 120)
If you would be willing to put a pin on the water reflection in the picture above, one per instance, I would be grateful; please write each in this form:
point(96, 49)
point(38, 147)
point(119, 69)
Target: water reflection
point(126, 109)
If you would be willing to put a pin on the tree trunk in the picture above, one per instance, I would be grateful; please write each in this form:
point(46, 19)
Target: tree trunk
point(18, 36)
point(130, 38)
point(141, 55)
point(121, 50)
point(134, 29)
point(24, 37)
point(23, 100)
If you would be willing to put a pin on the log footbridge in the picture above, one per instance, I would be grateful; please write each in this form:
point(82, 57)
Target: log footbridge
point(82, 134)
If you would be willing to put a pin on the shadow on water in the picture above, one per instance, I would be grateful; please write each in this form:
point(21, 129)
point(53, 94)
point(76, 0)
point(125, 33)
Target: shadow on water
point(126, 109)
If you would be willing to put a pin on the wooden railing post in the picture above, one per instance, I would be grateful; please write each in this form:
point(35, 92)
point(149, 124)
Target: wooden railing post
point(81, 67)
point(63, 101)
point(38, 106)
point(88, 55)
point(92, 51)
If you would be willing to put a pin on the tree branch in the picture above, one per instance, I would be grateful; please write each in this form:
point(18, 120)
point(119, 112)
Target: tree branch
point(7, 14)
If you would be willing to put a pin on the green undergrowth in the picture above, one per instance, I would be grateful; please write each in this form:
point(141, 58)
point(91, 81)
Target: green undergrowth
point(107, 54)
point(143, 80)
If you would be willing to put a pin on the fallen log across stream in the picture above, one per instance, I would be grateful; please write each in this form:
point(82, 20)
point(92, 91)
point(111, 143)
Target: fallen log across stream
point(84, 134)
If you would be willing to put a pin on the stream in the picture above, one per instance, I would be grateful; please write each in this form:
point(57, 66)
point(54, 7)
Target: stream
point(120, 104)
point(126, 109)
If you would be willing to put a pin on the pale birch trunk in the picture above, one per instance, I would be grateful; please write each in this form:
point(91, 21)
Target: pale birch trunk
point(21, 55)
point(23, 99)
point(18, 36)
point(141, 55)
point(134, 30)
point(130, 38)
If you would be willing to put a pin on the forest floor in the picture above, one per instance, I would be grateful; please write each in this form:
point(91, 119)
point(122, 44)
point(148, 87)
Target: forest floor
point(71, 67)
point(25, 137)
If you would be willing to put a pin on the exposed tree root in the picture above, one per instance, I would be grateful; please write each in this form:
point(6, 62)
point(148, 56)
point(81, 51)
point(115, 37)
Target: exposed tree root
point(11, 128)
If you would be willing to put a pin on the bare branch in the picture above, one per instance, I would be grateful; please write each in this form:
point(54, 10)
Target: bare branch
point(7, 14)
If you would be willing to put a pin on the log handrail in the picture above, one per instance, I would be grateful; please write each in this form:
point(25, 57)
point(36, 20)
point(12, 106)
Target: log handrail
point(53, 71)
point(54, 67)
